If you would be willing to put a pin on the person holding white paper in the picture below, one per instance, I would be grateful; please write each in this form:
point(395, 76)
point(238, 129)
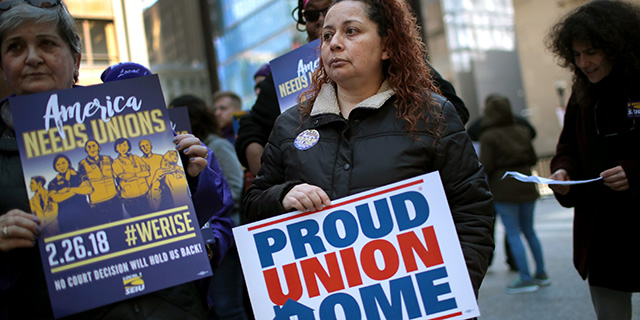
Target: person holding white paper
point(600, 43)
point(373, 117)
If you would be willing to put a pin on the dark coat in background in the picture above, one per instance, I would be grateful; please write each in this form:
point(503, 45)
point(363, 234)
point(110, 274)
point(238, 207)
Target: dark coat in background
point(506, 146)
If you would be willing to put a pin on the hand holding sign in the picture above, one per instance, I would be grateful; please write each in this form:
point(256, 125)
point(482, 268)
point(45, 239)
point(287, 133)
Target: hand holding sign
point(305, 197)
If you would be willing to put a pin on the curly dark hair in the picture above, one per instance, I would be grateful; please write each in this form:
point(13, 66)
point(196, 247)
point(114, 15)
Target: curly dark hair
point(610, 25)
point(406, 71)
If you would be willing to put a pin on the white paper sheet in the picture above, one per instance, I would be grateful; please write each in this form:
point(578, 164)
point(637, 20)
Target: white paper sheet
point(535, 179)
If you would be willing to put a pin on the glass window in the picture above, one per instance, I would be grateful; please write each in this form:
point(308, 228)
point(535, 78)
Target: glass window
point(99, 48)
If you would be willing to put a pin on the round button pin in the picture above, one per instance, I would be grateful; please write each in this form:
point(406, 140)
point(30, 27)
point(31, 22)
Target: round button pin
point(307, 139)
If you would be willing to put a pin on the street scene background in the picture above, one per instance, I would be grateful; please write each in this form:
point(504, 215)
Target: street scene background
point(568, 295)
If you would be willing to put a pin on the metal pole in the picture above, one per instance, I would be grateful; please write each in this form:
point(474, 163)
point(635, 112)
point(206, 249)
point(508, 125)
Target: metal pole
point(209, 47)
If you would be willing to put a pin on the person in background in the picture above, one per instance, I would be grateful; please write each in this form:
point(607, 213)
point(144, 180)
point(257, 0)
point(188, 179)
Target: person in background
point(259, 76)
point(506, 146)
point(599, 43)
point(256, 126)
point(205, 128)
point(225, 104)
point(40, 51)
point(373, 92)
point(474, 130)
point(226, 288)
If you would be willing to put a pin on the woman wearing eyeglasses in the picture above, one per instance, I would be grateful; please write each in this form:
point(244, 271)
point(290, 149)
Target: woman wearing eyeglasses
point(40, 51)
point(600, 43)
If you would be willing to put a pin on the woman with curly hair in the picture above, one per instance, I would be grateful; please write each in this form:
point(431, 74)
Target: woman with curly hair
point(600, 43)
point(374, 117)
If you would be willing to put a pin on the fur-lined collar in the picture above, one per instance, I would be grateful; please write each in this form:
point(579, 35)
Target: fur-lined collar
point(327, 101)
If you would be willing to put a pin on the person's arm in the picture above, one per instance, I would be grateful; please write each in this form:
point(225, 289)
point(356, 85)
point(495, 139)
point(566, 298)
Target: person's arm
point(564, 163)
point(253, 153)
point(256, 127)
point(487, 154)
point(264, 198)
point(230, 166)
point(213, 202)
point(144, 168)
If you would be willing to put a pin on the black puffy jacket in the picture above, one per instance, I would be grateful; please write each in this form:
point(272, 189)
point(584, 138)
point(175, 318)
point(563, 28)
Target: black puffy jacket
point(372, 149)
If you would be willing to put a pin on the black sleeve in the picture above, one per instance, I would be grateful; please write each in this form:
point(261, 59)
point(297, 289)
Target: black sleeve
point(257, 125)
point(449, 92)
point(474, 129)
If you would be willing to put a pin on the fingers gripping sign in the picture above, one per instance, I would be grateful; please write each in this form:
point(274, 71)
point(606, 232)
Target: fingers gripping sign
point(197, 154)
point(306, 197)
point(19, 230)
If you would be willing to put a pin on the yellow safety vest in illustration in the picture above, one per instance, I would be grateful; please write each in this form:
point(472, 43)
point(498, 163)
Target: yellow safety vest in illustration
point(132, 187)
point(100, 175)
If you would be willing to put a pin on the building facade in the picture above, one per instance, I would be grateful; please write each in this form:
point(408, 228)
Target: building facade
point(176, 48)
point(480, 46)
point(547, 84)
point(111, 32)
point(248, 34)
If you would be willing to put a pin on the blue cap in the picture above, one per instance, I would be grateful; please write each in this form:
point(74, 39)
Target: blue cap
point(124, 70)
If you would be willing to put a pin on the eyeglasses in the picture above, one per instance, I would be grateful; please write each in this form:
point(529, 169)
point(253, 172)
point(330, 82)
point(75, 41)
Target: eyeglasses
point(605, 123)
point(314, 15)
point(8, 4)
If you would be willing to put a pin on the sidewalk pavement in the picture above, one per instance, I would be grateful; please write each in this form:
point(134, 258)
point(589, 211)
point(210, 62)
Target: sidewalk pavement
point(568, 295)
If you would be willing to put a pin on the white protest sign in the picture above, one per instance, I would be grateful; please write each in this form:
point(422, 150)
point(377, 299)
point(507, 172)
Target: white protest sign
point(388, 253)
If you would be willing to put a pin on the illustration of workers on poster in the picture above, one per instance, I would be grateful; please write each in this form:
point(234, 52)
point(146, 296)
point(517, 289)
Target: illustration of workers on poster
point(106, 181)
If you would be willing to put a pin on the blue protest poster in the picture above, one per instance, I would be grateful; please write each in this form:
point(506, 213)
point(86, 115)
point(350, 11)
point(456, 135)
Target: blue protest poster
point(387, 253)
point(292, 73)
point(108, 185)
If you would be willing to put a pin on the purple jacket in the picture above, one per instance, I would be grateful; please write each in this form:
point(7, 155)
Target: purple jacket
point(212, 201)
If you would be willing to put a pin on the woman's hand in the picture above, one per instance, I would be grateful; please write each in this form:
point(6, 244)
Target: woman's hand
point(615, 178)
point(18, 229)
point(305, 197)
point(560, 175)
point(190, 146)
